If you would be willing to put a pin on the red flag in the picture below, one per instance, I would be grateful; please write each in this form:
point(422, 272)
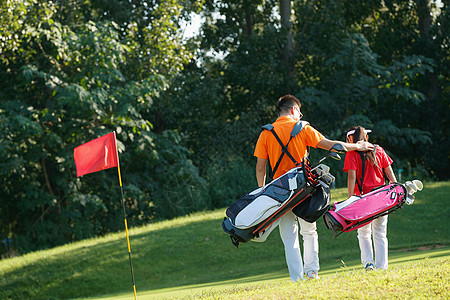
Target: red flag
point(96, 155)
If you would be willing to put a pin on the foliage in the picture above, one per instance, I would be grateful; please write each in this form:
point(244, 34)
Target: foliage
point(67, 79)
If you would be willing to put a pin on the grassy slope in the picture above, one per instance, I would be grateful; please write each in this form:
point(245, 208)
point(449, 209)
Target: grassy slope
point(194, 250)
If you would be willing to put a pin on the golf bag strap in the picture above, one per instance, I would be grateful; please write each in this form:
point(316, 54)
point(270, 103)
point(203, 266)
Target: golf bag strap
point(298, 127)
point(363, 168)
point(386, 178)
point(363, 159)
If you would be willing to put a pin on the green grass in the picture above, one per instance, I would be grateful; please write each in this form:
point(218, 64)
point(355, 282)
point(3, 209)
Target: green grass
point(413, 273)
point(427, 279)
point(192, 255)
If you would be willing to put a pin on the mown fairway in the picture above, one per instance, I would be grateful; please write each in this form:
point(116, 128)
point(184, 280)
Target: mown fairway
point(192, 257)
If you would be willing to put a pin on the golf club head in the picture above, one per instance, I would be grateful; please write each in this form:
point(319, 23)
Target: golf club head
point(411, 187)
point(322, 169)
point(338, 148)
point(335, 156)
point(418, 184)
point(410, 199)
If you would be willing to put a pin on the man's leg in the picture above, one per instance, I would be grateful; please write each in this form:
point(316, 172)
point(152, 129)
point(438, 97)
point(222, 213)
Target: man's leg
point(289, 235)
point(310, 246)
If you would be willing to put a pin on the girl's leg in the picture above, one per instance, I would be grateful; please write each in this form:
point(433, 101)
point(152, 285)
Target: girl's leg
point(365, 244)
point(289, 235)
point(380, 242)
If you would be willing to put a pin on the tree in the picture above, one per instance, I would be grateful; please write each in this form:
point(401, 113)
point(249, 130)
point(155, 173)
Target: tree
point(338, 75)
point(68, 76)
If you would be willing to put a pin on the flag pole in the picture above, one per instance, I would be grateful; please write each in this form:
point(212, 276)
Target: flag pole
point(126, 230)
point(95, 156)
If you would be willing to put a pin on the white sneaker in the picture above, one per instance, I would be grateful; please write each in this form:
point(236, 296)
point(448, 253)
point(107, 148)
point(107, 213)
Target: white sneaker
point(312, 275)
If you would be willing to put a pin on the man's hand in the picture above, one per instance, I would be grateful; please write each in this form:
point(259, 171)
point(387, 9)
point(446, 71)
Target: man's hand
point(364, 146)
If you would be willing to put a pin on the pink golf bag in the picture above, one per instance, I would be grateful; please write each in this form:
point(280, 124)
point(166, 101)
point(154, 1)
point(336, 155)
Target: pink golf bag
point(358, 211)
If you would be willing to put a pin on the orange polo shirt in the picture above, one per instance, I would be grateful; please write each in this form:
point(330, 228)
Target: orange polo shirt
point(268, 147)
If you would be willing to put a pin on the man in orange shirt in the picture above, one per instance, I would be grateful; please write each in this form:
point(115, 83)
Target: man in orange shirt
point(268, 147)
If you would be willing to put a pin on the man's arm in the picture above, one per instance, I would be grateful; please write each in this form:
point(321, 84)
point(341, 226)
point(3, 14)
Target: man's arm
point(351, 181)
point(261, 171)
point(359, 146)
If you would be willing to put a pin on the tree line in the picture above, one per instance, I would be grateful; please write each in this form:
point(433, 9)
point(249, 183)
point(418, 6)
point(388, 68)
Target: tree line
point(187, 111)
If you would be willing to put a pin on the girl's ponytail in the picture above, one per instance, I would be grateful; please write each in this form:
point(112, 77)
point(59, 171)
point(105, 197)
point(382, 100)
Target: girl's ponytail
point(358, 133)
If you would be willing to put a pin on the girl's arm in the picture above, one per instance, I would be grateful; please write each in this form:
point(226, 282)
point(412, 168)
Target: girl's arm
point(390, 174)
point(351, 181)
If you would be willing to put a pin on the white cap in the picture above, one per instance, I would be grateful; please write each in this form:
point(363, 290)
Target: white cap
point(366, 131)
